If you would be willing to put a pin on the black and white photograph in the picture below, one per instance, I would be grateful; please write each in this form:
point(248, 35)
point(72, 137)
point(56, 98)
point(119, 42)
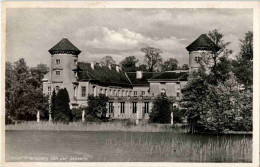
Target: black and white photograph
point(129, 84)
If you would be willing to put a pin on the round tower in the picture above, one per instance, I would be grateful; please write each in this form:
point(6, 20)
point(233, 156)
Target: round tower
point(203, 46)
point(64, 59)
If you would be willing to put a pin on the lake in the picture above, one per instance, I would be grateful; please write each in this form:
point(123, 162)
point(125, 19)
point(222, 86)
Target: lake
point(100, 146)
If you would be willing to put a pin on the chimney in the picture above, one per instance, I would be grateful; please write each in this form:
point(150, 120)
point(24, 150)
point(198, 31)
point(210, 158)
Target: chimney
point(92, 65)
point(117, 68)
point(109, 66)
point(139, 74)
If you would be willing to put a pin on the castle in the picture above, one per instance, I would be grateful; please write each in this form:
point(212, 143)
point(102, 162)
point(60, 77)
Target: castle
point(131, 94)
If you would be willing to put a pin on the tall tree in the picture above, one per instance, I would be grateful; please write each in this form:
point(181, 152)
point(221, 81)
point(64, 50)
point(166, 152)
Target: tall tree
point(129, 64)
point(152, 58)
point(107, 60)
point(63, 112)
point(161, 111)
point(243, 65)
point(170, 65)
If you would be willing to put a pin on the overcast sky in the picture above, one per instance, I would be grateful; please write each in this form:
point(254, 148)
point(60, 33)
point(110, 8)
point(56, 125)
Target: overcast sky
point(118, 32)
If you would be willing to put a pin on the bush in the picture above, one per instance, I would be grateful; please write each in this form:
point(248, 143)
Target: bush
point(161, 111)
point(76, 114)
point(62, 111)
point(97, 106)
point(178, 115)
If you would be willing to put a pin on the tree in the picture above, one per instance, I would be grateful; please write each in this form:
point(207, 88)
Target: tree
point(129, 64)
point(207, 97)
point(243, 65)
point(170, 65)
point(62, 112)
point(152, 57)
point(97, 106)
point(107, 60)
point(142, 67)
point(184, 67)
point(161, 111)
point(53, 105)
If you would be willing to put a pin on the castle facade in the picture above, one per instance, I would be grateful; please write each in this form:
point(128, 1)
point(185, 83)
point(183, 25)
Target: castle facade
point(131, 94)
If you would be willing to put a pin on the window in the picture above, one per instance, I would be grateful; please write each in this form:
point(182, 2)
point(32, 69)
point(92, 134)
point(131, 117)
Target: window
point(57, 61)
point(146, 107)
point(110, 107)
point(75, 61)
point(83, 91)
point(143, 93)
point(115, 94)
point(111, 92)
point(57, 88)
point(122, 107)
point(178, 94)
point(118, 92)
point(134, 107)
point(135, 93)
point(163, 91)
point(105, 92)
point(49, 90)
point(57, 72)
point(126, 93)
point(101, 91)
point(122, 92)
point(197, 59)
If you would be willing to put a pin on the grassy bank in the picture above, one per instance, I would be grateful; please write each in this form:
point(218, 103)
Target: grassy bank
point(95, 126)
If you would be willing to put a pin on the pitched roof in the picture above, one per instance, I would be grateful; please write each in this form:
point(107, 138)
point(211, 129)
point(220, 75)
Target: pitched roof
point(64, 46)
point(203, 42)
point(102, 74)
point(144, 80)
point(171, 75)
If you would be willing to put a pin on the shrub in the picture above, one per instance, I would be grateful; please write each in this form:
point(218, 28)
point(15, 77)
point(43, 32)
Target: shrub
point(62, 111)
point(161, 111)
point(97, 106)
point(76, 114)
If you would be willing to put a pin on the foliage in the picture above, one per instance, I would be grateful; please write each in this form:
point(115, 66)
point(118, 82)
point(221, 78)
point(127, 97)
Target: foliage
point(97, 106)
point(24, 91)
point(107, 60)
point(142, 67)
point(170, 65)
point(184, 67)
point(62, 111)
point(76, 114)
point(213, 99)
point(152, 58)
point(243, 66)
point(129, 64)
point(178, 115)
point(161, 111)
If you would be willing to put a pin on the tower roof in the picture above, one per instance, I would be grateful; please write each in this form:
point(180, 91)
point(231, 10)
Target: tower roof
point(64, 46)
point(203, 42)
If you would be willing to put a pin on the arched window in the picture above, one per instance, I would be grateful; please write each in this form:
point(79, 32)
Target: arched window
point(163, 91)
point(57, 88)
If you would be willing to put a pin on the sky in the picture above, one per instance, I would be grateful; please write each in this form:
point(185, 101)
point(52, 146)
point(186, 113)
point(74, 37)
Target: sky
point(118, 33)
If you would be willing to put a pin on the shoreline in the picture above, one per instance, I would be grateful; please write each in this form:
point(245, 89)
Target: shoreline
point(107, 127)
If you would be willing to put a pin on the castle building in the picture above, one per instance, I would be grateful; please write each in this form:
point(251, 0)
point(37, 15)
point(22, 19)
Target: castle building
point(131, 94)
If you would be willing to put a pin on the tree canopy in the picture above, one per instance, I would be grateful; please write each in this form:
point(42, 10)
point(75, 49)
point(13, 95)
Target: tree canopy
point(152, 58)
point(107, 60)
point(129, 64)
point(170, 65)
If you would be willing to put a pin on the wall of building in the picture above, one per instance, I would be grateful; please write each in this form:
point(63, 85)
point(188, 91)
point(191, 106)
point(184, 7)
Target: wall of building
point(193, 64)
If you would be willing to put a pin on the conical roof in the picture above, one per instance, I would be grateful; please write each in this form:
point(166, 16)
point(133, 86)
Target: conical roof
point(64, 46)
point(203, 42)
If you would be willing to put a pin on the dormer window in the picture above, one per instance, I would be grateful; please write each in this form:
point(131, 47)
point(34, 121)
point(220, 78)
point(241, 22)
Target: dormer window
point(57, 72)
point(75, 61)
point(57, 61)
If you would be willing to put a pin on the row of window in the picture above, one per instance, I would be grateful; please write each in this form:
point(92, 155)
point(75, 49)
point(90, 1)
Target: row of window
point(134, 107)
point(58, 61)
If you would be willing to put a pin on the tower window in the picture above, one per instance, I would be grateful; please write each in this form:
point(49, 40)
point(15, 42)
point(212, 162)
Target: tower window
point(135, 93)
point(75, 61)
point(178, 94)
point(197, 59)
point(83, 91)
point(143, 93)
point(57, 61)
point(57, 72)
